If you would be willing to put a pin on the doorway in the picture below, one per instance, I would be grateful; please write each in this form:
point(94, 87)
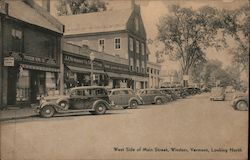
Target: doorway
point(37, 85)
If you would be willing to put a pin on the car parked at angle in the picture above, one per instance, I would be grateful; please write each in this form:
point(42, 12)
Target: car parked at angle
point(152, 96)
point(217, 94)
point(93, 99)
point(241, 102)
point(169, 92)
point(192, 90)
point(124, 97)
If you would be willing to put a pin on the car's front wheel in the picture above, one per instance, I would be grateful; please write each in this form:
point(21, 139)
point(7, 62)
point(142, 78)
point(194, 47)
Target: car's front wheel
point(242, 106)
point(47, 111)
point(100, 108)
point(133, 104)
point(158, 101)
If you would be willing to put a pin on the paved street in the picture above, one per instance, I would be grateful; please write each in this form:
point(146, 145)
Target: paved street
point(195, 126)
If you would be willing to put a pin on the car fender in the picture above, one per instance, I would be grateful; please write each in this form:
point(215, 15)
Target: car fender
point(101, 101)
point(56, 107)
point(136, 99)
point(161, 97)
point(62, 99)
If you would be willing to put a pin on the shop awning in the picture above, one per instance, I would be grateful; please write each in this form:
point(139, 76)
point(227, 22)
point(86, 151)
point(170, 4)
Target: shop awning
point(84, 70)
point(138, 78)
point(117, 75)
point(39, 68)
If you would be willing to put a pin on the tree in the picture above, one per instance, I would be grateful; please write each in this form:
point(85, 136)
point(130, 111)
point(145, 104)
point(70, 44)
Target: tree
point(187, 33)
point(240, 19)
point(69, 7)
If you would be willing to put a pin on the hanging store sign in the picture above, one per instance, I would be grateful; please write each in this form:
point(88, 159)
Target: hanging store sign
point(9, 61)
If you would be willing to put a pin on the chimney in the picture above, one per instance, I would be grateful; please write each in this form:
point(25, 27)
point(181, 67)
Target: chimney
point(132, 4)
point(46, 5)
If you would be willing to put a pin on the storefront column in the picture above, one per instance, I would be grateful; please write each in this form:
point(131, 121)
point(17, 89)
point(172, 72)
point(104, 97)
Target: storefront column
point(61, 74)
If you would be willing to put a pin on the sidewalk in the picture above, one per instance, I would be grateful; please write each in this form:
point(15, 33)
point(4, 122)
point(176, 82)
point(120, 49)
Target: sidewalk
point(17, 113)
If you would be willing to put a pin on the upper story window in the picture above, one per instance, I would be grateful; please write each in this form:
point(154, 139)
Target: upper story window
point(101, 45)
point(147, 70)
point(136, 24)
point(117, 43)
point(17, 39)
point(137, 47)
point(131, 44)
point(142, 49)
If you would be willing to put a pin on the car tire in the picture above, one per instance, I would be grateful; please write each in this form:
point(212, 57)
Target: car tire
point(47, 111)
point(100, 108)
point(64, 105)
point(158, 101)
point(242, 106)
point(133, 104)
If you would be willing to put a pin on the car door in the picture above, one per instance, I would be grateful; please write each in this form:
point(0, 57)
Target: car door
point(143, 96)
point(124, 97)
point(76, 99)
point(116, 97)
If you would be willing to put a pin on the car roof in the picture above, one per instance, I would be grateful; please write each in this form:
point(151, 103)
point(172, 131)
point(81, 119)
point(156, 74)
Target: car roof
point(120, 89)
point(88, 87)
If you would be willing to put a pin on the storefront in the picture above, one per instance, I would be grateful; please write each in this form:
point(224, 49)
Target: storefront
point(27, 81)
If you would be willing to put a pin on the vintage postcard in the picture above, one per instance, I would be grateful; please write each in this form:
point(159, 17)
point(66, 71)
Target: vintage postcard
point(124, 79)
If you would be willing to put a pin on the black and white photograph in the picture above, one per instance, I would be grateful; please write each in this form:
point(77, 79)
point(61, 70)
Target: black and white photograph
point(124, 79)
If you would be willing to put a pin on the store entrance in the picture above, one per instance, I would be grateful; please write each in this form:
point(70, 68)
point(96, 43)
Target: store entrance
point(11, 92)
point(37, 85)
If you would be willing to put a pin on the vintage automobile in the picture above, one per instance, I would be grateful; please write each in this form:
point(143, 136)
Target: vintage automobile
point(124, 97)
point(93, 99)
point(152, 96)
point(192, 90)
point(241, 102)
point(217, 94)
point(169, 93)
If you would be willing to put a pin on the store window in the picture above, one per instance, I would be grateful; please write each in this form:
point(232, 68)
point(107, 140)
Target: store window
point(131, 44)
point(137, 47)
point(51, 81)
point(23, 86)
point(101, 45)
point(142, 49)
point(17, 40)
point(117, 43)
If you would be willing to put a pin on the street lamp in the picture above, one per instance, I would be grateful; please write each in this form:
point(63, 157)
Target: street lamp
point(92, 57)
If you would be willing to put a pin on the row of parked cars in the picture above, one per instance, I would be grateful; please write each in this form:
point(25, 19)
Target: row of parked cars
point(97, 99)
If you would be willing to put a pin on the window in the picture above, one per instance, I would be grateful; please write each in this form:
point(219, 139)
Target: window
point(101, 45)
point(131, 64)
point(137, 47)
point(117, 43)
point(131, 44)
point(136, 24)
point(147, 70)
point(142, 65)
point(151, 70)
point(142, 49)
point(17, 39)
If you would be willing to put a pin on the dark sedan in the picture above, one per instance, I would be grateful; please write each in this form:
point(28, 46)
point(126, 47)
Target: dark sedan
point(152, 96)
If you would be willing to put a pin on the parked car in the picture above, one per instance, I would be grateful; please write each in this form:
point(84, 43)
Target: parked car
point(217, 94)
point(241, 102)
point(192, 90)
point(169, 91)
point(152, 96)
point(93, 99)
point(124, 97)
point(229, 89)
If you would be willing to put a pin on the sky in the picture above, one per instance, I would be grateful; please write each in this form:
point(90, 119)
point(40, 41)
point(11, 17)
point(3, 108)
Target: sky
point(152, 10)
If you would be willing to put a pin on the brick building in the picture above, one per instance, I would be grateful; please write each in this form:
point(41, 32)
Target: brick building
point(118, 33)
point(29, 51)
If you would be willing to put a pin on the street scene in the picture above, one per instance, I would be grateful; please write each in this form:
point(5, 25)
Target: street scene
point(124, 79)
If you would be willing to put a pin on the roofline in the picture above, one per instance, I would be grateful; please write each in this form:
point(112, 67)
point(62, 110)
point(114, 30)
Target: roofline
point(92, 34)
point(46, 15)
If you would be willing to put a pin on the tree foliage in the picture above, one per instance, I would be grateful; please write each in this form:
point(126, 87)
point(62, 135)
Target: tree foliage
point(69, 7)
point(187, 33)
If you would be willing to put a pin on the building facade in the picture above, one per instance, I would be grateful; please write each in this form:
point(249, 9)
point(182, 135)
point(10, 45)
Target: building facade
point(119, 34)
point(30, 51)
point(153, 69)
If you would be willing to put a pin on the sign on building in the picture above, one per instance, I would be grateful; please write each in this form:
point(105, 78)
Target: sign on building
point(9, 61)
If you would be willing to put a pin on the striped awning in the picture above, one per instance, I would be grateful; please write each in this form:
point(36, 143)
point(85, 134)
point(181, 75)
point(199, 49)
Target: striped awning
point(39, 68)
point(84, 70)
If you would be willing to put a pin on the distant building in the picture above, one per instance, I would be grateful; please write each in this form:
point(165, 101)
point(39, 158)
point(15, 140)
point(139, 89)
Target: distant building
point(30, 46)
point(153, 69)
point(117, 33)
